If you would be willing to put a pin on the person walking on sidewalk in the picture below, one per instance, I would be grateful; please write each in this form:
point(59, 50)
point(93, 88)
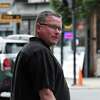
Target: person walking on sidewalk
point(37, 73)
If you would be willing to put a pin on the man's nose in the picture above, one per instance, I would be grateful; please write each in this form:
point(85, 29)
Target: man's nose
point(57, 30)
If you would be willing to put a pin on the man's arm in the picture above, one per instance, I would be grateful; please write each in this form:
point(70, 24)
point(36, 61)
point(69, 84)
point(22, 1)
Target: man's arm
point(46, 94)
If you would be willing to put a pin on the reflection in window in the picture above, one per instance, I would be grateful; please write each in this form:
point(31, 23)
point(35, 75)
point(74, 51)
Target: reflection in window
point(13, 47)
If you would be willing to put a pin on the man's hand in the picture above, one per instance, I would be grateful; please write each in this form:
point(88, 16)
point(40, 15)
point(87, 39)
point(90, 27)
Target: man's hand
point(46, 94)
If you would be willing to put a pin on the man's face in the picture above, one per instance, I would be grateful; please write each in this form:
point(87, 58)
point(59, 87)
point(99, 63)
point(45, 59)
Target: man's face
point(50, 30)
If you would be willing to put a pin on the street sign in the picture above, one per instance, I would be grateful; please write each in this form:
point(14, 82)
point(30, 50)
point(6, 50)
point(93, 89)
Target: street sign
point(5, 5)
point(4, 18)
point(68, 35)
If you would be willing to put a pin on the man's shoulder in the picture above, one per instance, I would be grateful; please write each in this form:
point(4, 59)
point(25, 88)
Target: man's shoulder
point(37, 45)
point(33, 47)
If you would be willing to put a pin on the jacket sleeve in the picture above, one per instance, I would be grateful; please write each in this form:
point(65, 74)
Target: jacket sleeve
point(42, 70)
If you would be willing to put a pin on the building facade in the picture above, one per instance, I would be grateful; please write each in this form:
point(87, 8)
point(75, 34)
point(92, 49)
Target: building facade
point(27, 10)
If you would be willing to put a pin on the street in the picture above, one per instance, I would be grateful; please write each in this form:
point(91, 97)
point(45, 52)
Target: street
point(90, 90)
point(85, 93)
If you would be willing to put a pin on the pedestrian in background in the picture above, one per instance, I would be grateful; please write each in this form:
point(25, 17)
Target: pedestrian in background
point(37, 73)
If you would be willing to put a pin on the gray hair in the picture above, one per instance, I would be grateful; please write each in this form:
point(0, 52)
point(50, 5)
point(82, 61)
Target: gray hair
point(41, 18)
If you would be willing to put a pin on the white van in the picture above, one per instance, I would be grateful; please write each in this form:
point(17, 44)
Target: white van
point(9, 49)
point(19, 36)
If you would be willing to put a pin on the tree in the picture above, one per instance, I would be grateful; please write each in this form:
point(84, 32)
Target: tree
point(82, 8)
point(61, 8)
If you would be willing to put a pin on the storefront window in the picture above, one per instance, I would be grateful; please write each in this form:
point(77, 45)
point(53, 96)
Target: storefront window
point(27, 25)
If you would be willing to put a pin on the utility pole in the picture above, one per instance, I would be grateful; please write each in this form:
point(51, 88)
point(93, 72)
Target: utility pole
point(62, 44)
point(72, 6)
point(74, 39)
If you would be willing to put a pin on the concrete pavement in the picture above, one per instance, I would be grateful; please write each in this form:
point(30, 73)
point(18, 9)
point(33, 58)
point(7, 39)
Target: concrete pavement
point(87, 83)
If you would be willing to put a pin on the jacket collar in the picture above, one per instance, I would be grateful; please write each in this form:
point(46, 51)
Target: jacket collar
point(39, 40)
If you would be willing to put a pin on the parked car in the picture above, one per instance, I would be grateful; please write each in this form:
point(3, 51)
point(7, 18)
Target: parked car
point(19, 36)
point(9, 49)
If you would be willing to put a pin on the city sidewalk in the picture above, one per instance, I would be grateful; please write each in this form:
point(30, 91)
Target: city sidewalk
point(87, 83)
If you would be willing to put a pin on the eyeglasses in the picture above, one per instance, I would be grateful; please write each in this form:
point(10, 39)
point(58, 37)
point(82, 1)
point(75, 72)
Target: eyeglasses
point(52, 26)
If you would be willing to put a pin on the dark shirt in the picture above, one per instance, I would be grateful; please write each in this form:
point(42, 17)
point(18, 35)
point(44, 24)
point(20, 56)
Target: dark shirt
point(37, 68)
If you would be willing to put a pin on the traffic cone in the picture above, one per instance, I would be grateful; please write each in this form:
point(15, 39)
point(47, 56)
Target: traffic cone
point(80, 78)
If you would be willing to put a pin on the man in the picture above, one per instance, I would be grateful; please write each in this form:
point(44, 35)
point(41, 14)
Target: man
point(37, 73)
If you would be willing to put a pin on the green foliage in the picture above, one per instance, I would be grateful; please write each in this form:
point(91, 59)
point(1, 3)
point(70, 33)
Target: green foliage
point(82, 8)
point(59, 7)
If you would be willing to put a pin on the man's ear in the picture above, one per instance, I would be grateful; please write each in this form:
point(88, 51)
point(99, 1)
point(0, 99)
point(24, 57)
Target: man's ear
point(38, 28)
point(38, 25)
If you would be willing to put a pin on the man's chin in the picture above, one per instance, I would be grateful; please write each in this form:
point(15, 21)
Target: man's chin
point(54, 43)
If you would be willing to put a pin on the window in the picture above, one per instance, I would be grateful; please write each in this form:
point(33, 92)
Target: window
point(21, 0)
point(4, 33)
point(13, 47)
